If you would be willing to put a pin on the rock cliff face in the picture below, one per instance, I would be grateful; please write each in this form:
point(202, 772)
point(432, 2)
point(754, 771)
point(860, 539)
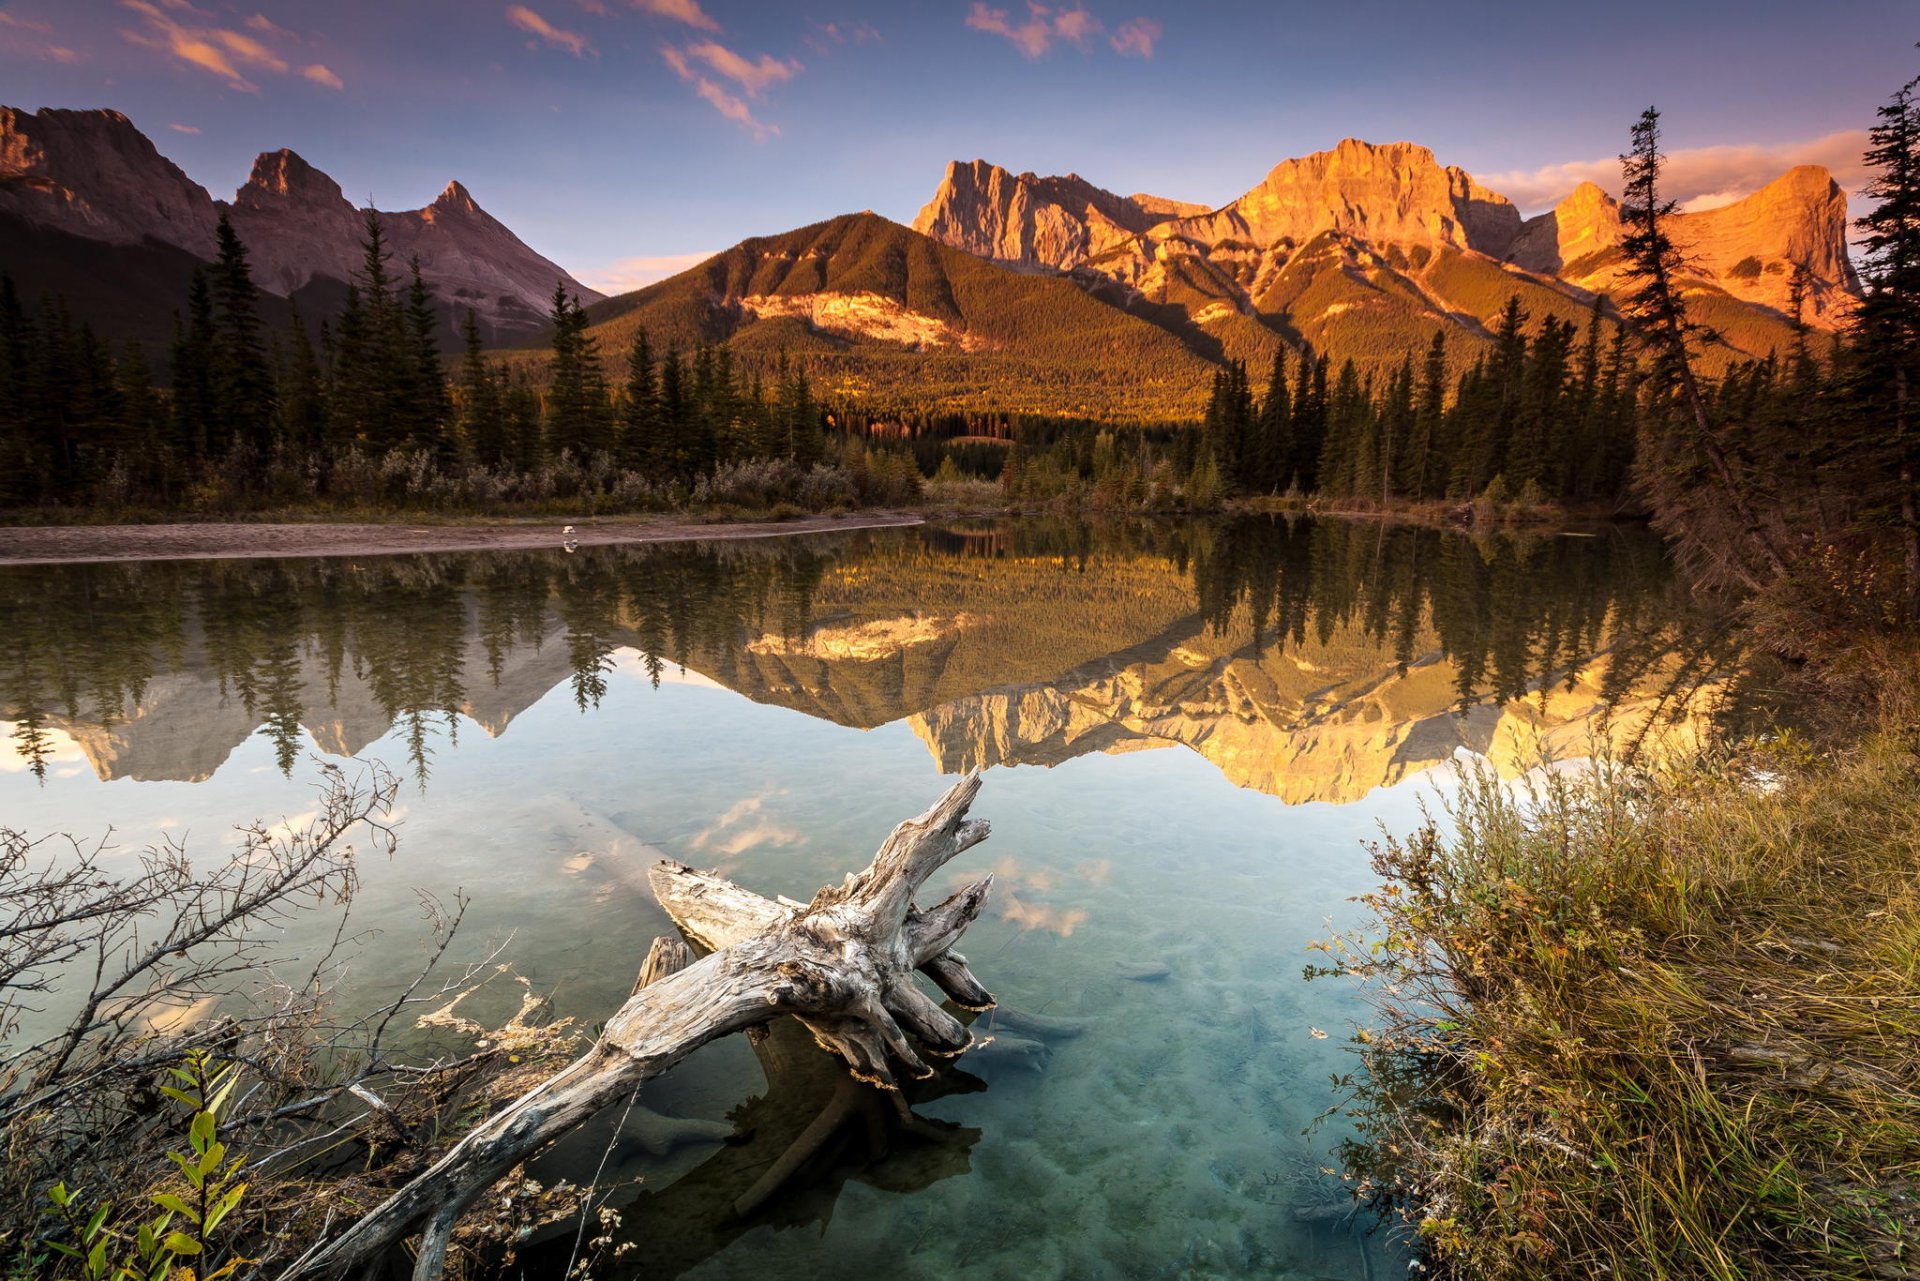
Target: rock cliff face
point(1396, 194)
point(1027, 221)
point(300, 227)
point(94, 175)
point(1418, 243)
point(1748, 248)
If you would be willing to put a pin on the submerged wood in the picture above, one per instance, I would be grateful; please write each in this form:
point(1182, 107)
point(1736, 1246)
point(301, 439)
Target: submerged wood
point(842, 964)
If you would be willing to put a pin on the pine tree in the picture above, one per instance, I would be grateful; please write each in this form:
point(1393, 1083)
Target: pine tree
point(302, 397)
point(193, 363)
point(579, 419)
point(483, 410)
point(1273, 434)
point(643, 439)
point(242, 410)
point(421, 402)
point(1889, 345)
point(1659, 317)
point(1417, 471)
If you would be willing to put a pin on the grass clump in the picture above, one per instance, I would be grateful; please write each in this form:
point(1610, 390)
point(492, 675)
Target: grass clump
point(1653, 1023)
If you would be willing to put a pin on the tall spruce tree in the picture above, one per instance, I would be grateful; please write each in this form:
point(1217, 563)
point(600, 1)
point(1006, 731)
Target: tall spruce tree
point(242, 412)
point(1889, 344)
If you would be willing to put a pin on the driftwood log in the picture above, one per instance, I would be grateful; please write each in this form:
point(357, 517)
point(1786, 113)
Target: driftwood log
point(842, 964)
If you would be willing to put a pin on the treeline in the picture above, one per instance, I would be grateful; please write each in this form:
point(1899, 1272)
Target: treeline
point(364, 410)
point(1550, 414)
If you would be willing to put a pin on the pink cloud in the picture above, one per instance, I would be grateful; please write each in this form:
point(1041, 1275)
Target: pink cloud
point(1043, 25)
point(827, 34)
point(629, 274)
point(1033, 37)
point(532, 23)
point(687, 11)
point(217, 50)
point(1697, 177)
point(1136, 38)
point(753, 77)
point(1076, 25)
point(321, 76)
point(728, 104)
point(184, 128)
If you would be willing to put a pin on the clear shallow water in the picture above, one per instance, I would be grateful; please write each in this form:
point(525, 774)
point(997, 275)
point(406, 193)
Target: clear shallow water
point(1190, 732)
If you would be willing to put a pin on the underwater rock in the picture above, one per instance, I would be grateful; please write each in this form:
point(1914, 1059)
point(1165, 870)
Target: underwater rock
point(1143, 971)
point(1051, 1027)
point(1000, 1052)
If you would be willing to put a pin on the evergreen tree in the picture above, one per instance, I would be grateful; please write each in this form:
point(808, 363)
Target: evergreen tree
point(483, 409)
point(193, 361)
point(302, 398)
point(1273, 434)
point(1417, 471)
point(644, 446)
point(1889, 346)
point(1679, 448)
point(242, 410)
point(421, 402)
point(579, 419)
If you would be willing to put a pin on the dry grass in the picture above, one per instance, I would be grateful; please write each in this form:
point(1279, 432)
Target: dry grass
point(1654, 1024)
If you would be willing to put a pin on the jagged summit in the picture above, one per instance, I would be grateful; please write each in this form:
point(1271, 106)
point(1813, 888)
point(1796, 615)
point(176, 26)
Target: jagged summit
point(1029, 221)
point(1348, 244)
point(1394, 193)
point(94, 175)
point(282, 176)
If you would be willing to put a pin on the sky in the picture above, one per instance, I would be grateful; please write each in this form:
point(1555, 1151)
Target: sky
point(627, 139)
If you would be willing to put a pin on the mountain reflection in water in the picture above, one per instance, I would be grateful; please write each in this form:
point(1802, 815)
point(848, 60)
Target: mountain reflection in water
point(1313, 660)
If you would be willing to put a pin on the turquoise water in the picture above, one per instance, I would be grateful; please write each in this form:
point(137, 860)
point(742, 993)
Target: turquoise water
point(1189, 734)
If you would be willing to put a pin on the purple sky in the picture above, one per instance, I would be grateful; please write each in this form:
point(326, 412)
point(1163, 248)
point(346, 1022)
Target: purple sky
point(626, 137)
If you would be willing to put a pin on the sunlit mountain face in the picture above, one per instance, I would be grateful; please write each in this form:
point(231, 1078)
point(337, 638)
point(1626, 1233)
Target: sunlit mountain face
point(1311, 661)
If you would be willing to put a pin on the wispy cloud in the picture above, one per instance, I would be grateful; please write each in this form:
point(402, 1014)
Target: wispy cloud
point(267, 26)
point(184, 128)
point(321, 76)
point(730, 105)
point(1033, 37)
point(629, 274)
point(31, 39)
point(687, 11)
point(220, 51)
point(533, 24)
point(1047, 25)
point(1697, 177)
point(824, 36)
point(1136, 38)
point(752, 76)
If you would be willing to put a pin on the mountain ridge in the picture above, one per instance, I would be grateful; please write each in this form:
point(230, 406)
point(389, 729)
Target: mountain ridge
point(94, 175)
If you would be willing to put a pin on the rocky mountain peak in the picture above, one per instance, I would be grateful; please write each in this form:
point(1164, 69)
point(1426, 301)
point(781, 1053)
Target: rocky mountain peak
point(91, 173)
point(282, 177)
point(1386, 194)
point(1026, 220)
point(457, 198)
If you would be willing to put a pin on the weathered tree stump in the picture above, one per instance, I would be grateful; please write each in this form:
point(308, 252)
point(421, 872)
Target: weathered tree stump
point(842, 964)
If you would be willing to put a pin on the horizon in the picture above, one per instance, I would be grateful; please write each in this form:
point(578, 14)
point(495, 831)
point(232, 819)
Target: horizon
point(770, 118)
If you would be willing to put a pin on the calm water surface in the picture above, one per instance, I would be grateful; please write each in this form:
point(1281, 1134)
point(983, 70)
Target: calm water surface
point(1189, 733)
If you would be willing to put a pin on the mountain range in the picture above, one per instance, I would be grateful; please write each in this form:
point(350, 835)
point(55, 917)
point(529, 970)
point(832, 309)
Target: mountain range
point(1009, 293)
point(90, 209)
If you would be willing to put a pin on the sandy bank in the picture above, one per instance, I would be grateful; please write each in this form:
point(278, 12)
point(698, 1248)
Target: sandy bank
point(56, 544)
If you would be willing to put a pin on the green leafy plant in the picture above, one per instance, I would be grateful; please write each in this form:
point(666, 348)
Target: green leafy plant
point(184, 1232)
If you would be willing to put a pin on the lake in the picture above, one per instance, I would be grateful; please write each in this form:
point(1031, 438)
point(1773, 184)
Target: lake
point(1189, 730)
